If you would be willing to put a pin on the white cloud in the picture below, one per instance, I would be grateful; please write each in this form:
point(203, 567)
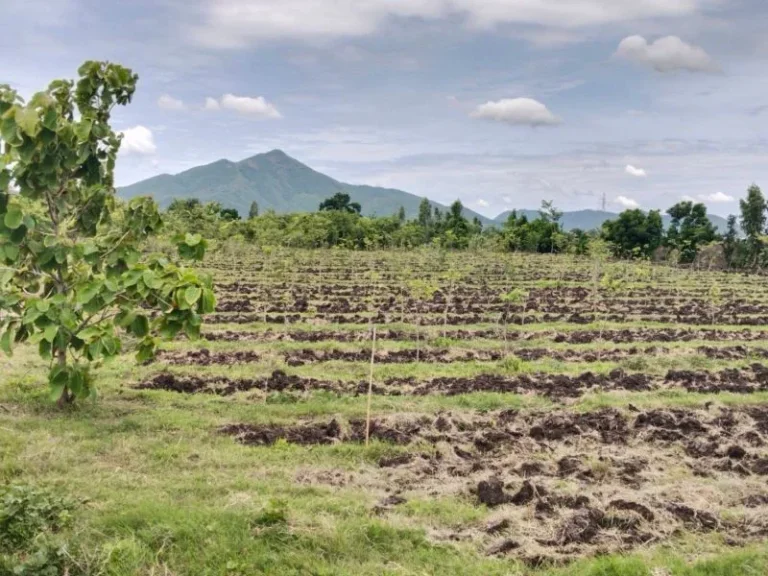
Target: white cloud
point(167, 102)
point(666, 54)
point(525, 111)
point(627, 203)
point(687, 198)
point(138, 140)
point(235, 23)
point(636, 172)
point(717, 197)
point(257, 107)
point(482, 203)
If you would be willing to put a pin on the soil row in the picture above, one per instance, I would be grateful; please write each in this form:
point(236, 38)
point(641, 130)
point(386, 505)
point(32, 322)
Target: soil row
point(205, 357)
point(554, 386)
point(625, 336)
point(465, 319)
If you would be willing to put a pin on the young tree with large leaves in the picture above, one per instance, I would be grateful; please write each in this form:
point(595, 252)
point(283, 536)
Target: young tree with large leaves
point(73, 278)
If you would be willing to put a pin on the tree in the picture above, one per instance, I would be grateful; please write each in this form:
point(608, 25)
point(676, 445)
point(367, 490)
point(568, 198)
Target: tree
point(340, 202)
point(753, 220)
point(549, 213)
point(634, 233)
point(229, 214)
point(253, 211)
point(401, 214)
point(689, 230)
point(73, 278)
point(730, 241)
point(184, 204)
point(457, 229)
point(425, 213)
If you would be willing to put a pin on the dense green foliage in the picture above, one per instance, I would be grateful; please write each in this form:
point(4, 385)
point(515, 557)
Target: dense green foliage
point(339, 223)
point(690, 229)
point(72, 274)
point(340, 202)
point(634, 233)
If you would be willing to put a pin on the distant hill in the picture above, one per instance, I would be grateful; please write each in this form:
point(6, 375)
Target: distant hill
point(593, 219)
point(283, 184)
point(277, 182)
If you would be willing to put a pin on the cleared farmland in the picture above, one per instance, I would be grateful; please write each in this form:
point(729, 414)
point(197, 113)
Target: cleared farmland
point(529, 413)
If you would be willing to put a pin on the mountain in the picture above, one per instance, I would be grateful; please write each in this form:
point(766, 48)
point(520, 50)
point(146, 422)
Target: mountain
point(277, 182)
point(592, 219)
point(283, 184)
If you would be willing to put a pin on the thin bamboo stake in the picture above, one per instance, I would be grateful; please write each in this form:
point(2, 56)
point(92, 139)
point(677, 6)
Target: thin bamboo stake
point(370, 391)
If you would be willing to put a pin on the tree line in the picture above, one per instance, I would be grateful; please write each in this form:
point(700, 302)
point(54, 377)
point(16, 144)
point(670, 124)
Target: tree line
point(634, 233)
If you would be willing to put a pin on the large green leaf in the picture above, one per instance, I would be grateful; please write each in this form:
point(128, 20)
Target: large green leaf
point(6, 340)
point(209, 302)
point(83, 129)
point(13, 217)
point(192, 295)
point(28, 120)
point(49, 334)
point(140, 326)
point(88, 292)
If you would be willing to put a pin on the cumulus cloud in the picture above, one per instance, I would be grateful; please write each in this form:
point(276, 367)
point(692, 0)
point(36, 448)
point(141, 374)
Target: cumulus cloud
point(636, 172)
point(526, 111)
point(138, 140)
point(257, 107)
point(627, 203)
point(687, 198)
point(717, 197)
point(234, 23)
point(666, 54)
point(167, 102)
point(482, 203)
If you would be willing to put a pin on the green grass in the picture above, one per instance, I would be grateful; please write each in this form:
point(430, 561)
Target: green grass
point(161, 492)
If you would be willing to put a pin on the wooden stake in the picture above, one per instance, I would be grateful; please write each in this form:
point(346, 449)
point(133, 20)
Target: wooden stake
point(370, 390)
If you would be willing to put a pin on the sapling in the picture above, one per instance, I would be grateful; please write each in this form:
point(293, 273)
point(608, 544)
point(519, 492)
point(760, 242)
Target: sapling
point(715, 300)
point(423, 291)
point(514, 297)
point(73, 277)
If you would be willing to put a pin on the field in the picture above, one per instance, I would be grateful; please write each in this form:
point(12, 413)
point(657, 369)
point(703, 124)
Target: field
point(528, 415)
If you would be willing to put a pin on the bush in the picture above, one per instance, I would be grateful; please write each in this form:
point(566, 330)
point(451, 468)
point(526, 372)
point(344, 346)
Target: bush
point(30, 519)
point(26, 512)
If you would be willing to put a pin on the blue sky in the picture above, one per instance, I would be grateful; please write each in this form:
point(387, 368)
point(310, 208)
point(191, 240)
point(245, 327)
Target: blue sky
point(501, 103)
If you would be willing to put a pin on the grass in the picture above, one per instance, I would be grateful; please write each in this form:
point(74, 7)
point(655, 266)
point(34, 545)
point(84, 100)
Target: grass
point(161, 492)
point(167, 495)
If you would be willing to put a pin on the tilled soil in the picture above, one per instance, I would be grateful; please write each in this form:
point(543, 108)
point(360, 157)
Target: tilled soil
point(625, 336)
point(567, 316)
point(205, 357)
point(554, 386)
point(563, 484)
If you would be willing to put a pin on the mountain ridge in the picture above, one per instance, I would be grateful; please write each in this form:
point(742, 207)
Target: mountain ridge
point(277, 181)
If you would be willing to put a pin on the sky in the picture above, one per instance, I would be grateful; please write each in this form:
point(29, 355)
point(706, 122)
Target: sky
point(500, 103)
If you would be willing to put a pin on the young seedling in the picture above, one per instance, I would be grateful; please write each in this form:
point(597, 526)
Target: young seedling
point(715, 301)
point(423, 291)
point(514, 297)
